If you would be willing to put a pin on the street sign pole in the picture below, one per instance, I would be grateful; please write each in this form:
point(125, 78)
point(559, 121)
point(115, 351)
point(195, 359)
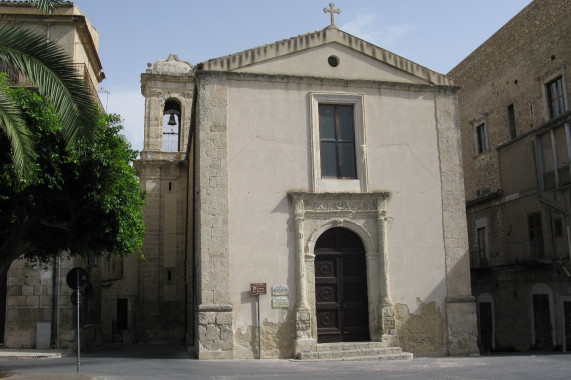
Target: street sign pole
point(255, 290)
point(78, 333)
point(259, 331)
point(77, 279)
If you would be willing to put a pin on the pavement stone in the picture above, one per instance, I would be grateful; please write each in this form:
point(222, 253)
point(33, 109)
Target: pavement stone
point(50, 376)
point(173, 362)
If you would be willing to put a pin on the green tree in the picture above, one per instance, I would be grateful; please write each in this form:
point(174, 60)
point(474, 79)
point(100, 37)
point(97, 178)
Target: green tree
point(82, 200)
point(49, 69)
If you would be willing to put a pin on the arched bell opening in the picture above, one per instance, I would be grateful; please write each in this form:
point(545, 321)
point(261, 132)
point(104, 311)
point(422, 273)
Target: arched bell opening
point(171, 126)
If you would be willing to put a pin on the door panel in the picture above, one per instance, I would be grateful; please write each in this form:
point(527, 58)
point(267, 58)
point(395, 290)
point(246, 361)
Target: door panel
point(542, 320)
point(341, 287)
point(486, 327)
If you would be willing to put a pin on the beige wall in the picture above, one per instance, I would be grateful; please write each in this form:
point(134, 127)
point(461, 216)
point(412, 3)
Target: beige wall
point(313, 62)
point(269, 155)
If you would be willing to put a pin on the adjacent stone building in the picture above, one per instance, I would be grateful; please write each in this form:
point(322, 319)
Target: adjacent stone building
point(322, 166)
point(516, 144)
point(35, 307)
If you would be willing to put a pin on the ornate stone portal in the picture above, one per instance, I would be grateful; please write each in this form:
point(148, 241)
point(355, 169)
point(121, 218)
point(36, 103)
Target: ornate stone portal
point(364, 214)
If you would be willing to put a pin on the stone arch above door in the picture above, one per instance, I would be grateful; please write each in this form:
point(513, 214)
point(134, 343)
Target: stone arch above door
point(365, 214)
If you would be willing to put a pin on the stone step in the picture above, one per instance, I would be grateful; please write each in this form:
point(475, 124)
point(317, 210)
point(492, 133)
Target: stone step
point(322, 347)
point(385, 353)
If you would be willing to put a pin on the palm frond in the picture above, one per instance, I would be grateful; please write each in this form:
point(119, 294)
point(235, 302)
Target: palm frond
point(12, 124)
point(45, 5)
point(52, 71)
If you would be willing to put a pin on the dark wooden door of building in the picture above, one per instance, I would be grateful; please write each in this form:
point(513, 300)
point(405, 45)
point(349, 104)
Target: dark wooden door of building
point(486, 327)
point(542, 322)
point(341, 287)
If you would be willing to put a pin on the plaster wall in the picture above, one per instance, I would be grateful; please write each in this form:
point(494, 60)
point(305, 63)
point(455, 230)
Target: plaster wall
point(313, 62)
point(269, 154)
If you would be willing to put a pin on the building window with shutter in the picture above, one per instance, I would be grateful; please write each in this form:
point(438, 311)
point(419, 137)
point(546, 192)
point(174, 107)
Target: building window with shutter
point(482, 246)
point(535, 235)
point(338, 146)
point(555, 97)
point(337, 141)
point(482, 138)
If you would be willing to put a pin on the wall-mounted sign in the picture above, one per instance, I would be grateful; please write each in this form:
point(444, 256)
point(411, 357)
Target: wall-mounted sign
point(258, 288)
point(280, 302)
point(280, 290)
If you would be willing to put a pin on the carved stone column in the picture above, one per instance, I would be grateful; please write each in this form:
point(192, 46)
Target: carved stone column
point(302, 311)
point(386, 309)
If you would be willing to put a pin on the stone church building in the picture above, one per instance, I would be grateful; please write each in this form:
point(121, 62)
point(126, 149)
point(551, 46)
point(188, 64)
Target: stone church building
point(322, 166)
point(322, 169)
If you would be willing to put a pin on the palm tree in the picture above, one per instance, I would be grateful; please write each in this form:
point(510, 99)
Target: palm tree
point(49, 69)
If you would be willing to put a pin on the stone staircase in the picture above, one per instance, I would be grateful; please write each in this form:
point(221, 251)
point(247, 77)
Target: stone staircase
point(354, 351)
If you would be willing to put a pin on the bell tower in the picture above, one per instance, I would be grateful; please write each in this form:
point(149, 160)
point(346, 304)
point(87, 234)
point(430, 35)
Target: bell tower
point(156, 287)
point(168, 89)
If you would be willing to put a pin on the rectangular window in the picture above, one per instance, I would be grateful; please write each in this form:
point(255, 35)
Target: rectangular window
point(337, 141)
point(535, 235)
point(511, 121)
point(482, 138)
point(555, 100)
point(122, 314)
point(482, 246)
point(558, 227)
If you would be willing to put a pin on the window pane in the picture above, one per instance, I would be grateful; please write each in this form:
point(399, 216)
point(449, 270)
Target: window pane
point(326, 122)
point(347, 160)
point(328, 160)
point(345, 123)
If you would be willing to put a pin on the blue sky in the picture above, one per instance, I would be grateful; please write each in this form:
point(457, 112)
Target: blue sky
point(434, 33)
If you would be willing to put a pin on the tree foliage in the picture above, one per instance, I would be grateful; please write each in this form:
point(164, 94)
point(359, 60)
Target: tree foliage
point(84, 199)
point(49, 69)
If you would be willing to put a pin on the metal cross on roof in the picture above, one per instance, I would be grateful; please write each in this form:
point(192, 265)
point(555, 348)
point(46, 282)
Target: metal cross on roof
point(332, 10)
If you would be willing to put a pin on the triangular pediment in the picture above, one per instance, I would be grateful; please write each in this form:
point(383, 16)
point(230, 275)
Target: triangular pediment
point(308, 55)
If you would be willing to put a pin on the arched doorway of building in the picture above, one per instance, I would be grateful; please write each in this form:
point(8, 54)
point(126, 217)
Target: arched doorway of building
point(341, 287)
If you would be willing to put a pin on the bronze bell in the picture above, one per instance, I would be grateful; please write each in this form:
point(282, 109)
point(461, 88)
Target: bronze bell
point(172, 120)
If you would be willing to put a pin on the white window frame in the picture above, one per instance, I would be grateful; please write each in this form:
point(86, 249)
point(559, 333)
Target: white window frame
point(482, 145)
point(360, 184)
point(543, 81)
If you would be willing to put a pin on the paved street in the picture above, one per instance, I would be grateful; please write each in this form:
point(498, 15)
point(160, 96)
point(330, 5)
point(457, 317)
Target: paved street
point(114, 362)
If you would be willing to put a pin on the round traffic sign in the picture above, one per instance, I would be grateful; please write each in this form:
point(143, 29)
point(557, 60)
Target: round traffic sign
point(74, 297)
point(77, 274)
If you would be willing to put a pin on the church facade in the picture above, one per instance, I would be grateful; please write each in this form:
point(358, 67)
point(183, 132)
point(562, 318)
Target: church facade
point(321, 168)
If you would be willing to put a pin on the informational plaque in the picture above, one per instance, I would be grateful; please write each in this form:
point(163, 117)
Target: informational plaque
point(280, 302)
point(257, 288)
point(280, 290)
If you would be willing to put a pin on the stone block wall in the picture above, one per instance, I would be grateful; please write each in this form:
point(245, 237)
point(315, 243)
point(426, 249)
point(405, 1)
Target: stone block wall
point(462, 332)
point(215, 336)
point(31, 299)
point(511, 67)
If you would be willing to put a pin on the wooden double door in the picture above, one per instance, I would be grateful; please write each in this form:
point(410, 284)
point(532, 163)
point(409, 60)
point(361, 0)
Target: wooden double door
point(341, 287)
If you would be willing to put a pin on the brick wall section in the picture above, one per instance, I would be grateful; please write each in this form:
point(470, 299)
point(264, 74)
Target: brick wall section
point(511, 67)
point(460, 305)
point(215, 333)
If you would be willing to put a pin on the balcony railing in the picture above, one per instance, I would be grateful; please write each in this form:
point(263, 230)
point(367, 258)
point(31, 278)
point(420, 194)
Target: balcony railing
point(539, 250)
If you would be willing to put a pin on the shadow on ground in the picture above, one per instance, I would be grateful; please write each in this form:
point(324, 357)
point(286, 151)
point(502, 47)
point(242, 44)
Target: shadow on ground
point(140, 351)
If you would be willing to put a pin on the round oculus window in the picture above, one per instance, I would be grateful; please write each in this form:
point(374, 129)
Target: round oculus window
point(333, 61)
